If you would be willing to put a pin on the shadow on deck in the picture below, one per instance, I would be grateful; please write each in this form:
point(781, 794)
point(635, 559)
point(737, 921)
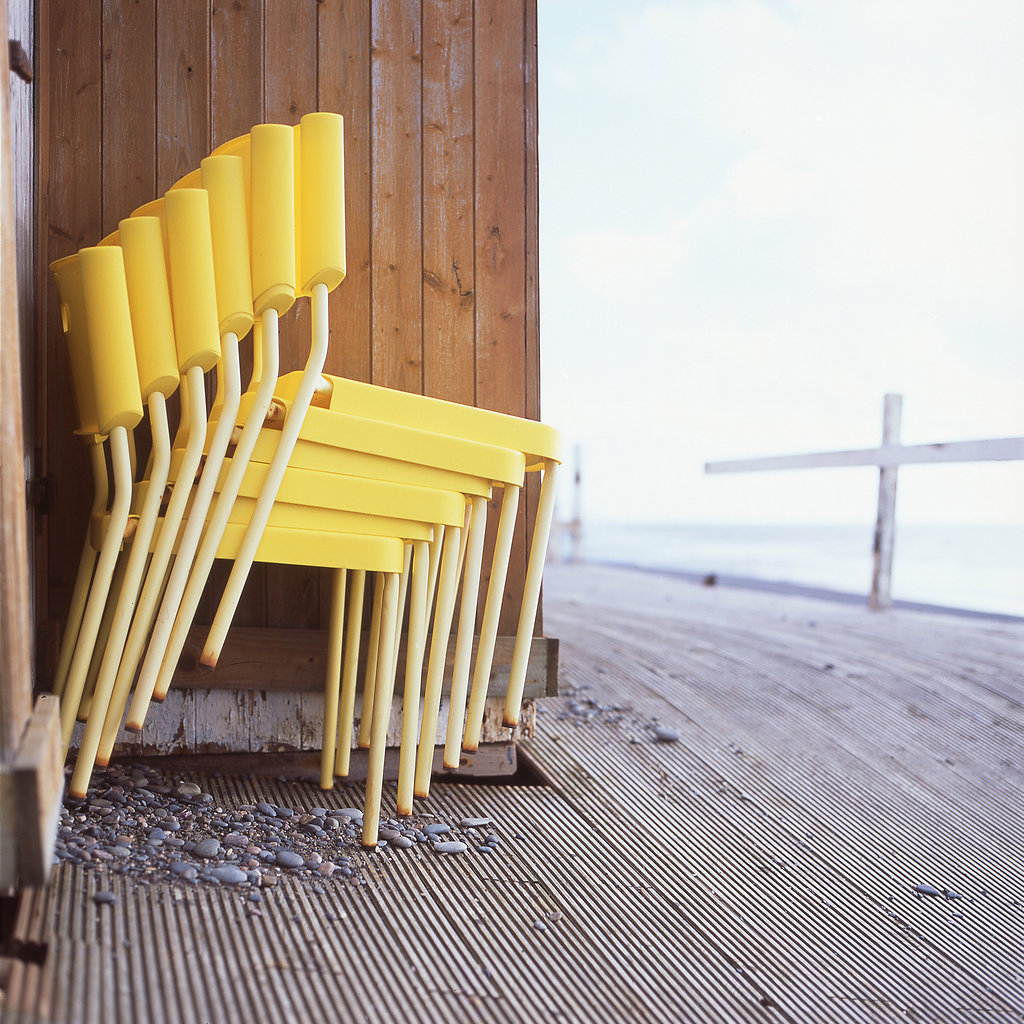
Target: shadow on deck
point(834, 834)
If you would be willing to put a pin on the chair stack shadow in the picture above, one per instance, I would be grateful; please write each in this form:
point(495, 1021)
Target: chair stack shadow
point(387, 489)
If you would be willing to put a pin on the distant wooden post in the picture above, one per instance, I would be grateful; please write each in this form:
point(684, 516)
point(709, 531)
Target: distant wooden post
point(576, 526)
point(880, 598)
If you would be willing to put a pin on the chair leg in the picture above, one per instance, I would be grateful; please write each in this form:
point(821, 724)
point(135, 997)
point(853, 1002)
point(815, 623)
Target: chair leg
point(275, 474)
point(531, 595)
point(381, 712)
point(264, 376)
point(80, 592)
point(101, 583)
point(350, 671)
point(156, 577)
point(467, 627)
point(413, 675)
point(372, 664)
point(104, 706)
point(436, 662)
point(103, 636)
point(492, 611)
point(158, 668)
point(333, 680)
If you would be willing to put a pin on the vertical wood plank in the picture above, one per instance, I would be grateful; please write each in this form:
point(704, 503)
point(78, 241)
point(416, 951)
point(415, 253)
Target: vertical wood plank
point(343, 85)
point(129, 108)
point(500, 229)
point(183, 89)
point(292, 591)
point(15, 622)
point(236, 68)
point(532, 239)
point(71, 186)
point(448, 273)
point(396, 257)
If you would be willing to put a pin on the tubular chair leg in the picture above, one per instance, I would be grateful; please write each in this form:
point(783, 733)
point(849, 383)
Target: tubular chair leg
point(333, 681)
point(101, 583)
point(80, 593)
point(413, 675)
point(381, 712)
point(492, 611)
point(436, 662)
point(467, 627)
point(350, 671)
point(531, 595)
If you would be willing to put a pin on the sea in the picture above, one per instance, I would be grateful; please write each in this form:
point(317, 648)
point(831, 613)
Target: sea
point(977, 568)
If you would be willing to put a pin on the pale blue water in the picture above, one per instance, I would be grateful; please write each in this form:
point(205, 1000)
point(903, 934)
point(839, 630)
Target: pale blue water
point(974, 567)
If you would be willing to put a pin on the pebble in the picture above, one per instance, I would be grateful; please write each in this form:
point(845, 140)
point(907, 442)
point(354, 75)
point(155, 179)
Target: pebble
point(474, 822)
point(436, 828)
point(287, 859)
point(665, 734)
point(267, 809)
point(230, 875)
point(206, 848)
point(451, 846)
point(401, 842)
point(186, 871)
point(186, 789)
point(104, 898)
point(235, 839)
point(927, 890)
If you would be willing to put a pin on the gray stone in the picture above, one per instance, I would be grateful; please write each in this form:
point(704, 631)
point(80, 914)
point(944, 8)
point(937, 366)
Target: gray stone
point(187, 790)
point(186, 871)
point(206, 848)
point(389, 833)
point(104, 898)
point(400, 842)
point(475, 822)
point(230, 875)
point(665, 734)
point(287, 859)
point(267, 809)
point(451, 846)
point(235, 839)
point(438, 828)
point(927, 890)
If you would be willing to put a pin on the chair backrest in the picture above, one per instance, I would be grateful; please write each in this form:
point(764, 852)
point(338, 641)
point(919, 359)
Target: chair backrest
point(111, 343)
point(320, 201)
point(68, 274)
point(272, 205)
point(149, 301)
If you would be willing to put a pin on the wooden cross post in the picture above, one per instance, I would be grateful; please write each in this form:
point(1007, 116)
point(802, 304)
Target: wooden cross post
point(880, 598)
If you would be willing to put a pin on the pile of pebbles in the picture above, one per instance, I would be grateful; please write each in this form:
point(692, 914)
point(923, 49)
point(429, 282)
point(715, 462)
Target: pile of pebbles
point(580, 708)
point(152, 826)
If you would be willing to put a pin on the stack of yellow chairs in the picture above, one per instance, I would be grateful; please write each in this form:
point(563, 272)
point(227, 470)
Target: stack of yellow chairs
point(304, 469)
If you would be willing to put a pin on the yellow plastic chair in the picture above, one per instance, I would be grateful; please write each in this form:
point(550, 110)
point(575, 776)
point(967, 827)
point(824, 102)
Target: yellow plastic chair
point(118, 403)
point(294, 543)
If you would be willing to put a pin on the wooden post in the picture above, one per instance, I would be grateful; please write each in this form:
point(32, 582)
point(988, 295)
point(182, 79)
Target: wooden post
point(880, 598)
point(576, 526)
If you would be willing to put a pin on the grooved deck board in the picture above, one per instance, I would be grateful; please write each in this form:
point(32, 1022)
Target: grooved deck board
point(759, 868)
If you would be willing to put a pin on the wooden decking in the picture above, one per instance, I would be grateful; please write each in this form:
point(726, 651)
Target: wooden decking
point(762, 866)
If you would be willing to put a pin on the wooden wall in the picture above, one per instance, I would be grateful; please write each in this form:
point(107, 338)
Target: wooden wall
point(439, 99)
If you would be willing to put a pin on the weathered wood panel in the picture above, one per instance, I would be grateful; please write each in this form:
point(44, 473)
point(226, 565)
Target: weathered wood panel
point(15, 631)
point(439, 98)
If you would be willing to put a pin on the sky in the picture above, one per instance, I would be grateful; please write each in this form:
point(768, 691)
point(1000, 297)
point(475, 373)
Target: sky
point(759, 217)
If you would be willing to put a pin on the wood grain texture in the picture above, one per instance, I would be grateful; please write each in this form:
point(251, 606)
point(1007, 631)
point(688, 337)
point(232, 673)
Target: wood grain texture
point(15, 622)
point(448, 244)
point(396, 211)
point(183, 89)
point(437, 100)
point(343, 86)
point(129, 108)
